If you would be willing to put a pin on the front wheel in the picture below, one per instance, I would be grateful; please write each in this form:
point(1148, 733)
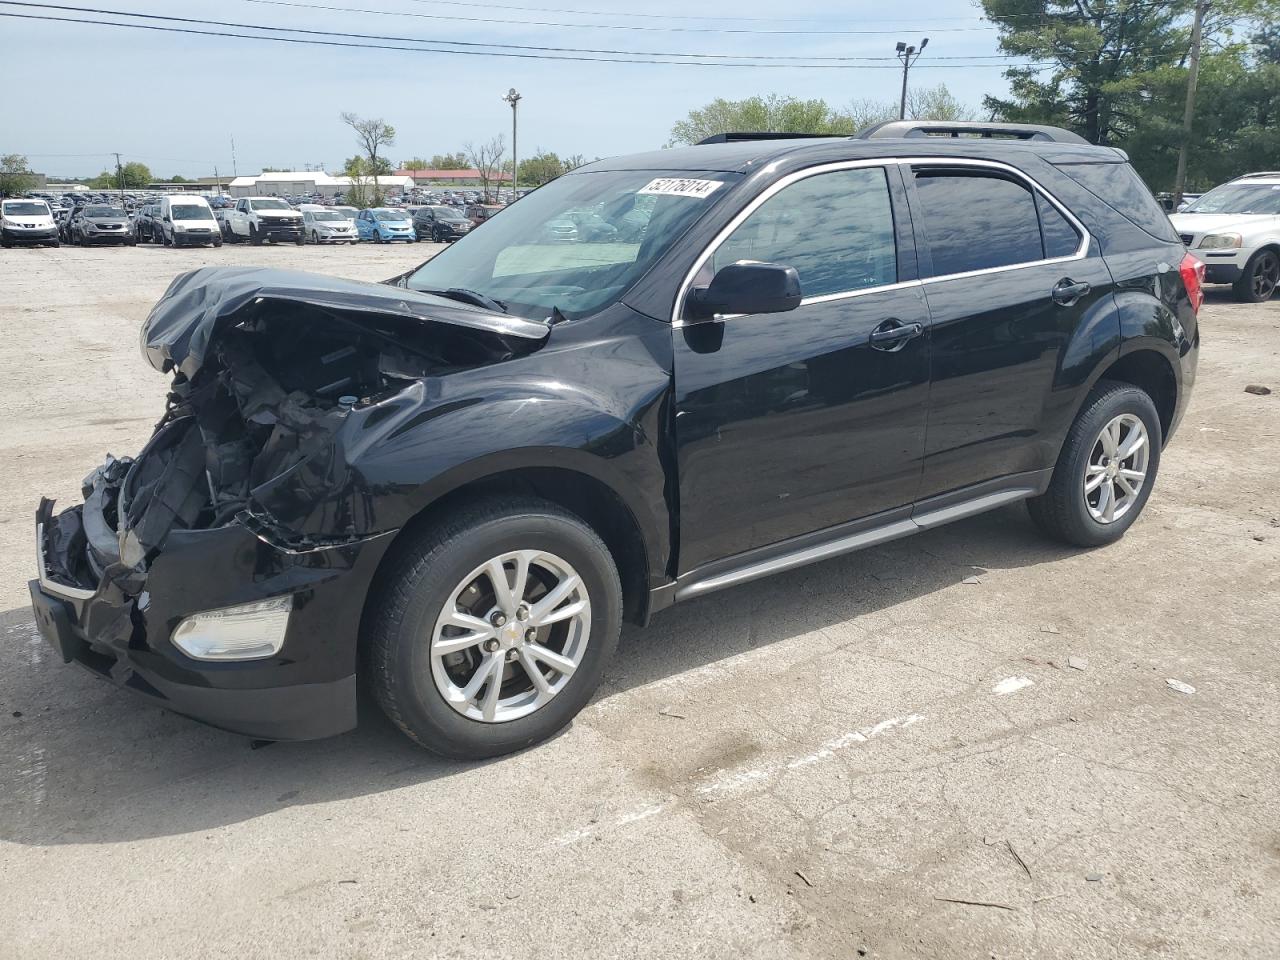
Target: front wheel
point(255, 237)
point(493, 627)
point(1260, 278)
point(1106, 469)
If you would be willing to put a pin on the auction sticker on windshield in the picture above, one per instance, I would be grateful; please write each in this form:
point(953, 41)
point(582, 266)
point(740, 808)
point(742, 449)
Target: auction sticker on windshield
point(680, 187)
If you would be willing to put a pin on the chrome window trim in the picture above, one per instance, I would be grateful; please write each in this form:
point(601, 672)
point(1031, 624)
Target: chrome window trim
point(1030, 182)
point(1086, 239)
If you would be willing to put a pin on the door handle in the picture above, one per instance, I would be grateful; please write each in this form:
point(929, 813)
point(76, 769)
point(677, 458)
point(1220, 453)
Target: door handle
point(1066, 292)
point(893, 334)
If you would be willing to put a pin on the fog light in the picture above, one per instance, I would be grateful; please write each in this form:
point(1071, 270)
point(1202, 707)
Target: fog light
point(249, 631)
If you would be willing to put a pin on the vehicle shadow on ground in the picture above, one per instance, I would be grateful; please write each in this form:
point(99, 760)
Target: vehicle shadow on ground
point(88, 763)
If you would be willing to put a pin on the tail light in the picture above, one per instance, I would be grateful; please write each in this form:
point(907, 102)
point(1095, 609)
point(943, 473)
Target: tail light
point(1192, 271)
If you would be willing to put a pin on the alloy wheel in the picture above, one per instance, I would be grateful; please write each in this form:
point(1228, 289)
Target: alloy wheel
point(1266, 276)
point(510, 636)
point(1117, 468)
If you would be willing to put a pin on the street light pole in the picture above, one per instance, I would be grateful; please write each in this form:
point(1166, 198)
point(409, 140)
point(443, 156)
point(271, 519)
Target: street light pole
point(514, 98)
point(905, 54)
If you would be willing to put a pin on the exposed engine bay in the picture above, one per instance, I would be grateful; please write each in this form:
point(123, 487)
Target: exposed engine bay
point(265, 372)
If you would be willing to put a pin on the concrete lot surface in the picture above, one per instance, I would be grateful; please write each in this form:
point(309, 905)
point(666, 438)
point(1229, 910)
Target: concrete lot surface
point(958, 745)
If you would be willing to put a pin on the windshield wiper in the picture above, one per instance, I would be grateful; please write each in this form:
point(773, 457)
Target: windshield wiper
point(473, 297)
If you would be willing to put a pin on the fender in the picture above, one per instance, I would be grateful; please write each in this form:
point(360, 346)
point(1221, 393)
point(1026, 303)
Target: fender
point(393, 459)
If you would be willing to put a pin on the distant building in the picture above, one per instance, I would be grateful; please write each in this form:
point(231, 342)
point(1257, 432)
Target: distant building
point(295, 182)
point(451, 178)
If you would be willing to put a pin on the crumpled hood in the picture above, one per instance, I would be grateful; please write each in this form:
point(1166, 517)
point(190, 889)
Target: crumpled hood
point(181, 326)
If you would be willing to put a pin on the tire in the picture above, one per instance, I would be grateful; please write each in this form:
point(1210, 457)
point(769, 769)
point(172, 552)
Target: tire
point(217, 243)
point(1065, 511)
point(403, 608)
point(299, 240)
point(6, 244)
point(255, 237)
point(1259, 279)
point(315, 238)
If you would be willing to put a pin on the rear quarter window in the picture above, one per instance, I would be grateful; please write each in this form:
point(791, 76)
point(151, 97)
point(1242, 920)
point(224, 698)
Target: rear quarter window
point(1119, 187)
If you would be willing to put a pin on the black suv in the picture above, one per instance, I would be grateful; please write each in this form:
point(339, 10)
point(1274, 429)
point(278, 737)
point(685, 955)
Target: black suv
point(439, 223)
point(459, 483)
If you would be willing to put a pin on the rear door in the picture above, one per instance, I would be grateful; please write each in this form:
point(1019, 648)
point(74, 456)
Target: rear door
point(791, 423)
point(1011, 278)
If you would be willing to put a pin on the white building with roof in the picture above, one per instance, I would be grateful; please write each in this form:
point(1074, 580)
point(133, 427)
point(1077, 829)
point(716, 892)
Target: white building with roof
point(281, 183)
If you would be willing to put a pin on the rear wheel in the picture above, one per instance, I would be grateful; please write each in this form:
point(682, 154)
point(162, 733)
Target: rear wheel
point(494, 627)
point(1260, 278)
point(1106, 469)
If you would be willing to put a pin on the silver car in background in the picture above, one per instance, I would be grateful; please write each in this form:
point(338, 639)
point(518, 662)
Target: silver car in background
point(325, 225)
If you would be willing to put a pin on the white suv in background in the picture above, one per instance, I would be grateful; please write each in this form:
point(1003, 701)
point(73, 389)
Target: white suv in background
point(1235, 230)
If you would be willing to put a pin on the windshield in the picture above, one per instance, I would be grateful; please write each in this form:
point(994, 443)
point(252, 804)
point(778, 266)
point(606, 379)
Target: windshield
point(327, 215)
point(537, 257)
point(269, 205)
point(447, 213)
point(103, 212)
point(190, 211)
point(1239, 198)
point(389, 216)
point(25, 208)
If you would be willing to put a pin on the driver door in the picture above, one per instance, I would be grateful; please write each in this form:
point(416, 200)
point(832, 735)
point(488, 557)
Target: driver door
point(790, 423)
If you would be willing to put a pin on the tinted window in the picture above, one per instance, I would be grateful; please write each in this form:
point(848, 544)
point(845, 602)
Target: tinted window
point(975, 221)
point(836, 229)
point(1120, 187)
point(1060, 237)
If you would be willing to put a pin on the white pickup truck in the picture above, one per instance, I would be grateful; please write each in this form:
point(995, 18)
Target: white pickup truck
point(257, 219)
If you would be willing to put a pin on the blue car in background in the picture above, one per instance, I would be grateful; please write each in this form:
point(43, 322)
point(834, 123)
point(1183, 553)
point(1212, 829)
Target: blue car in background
point(384, 225)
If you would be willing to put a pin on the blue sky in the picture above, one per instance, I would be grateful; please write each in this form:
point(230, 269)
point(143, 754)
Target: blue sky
point(175, 101)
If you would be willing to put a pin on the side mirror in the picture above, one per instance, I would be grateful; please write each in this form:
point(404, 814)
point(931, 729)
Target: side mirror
point(747, 286)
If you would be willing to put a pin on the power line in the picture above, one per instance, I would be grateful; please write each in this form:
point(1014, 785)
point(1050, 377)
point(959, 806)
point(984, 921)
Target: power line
point(506, 21)
point(420, 49)
point(469, 43)
point(903, 24)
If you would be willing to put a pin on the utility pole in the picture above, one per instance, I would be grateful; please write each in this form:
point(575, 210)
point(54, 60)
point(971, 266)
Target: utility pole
point(1189, 112)
point(905, 54)
point(514, 98)
point(120, 179)
point(234, 173)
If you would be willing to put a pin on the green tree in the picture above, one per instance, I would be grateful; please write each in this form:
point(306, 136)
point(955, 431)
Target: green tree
point(130, 176)
point(775, 114)
point(1118, 76)
point(178, 178)
point(16, 177)
point(771, 114)
point(541, 168)
point(450, 161)
point(1101, 54)
point(365, 190)
point(372, 134)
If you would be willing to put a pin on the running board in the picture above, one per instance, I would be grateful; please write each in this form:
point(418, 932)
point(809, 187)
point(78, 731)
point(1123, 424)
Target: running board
point(695, 585)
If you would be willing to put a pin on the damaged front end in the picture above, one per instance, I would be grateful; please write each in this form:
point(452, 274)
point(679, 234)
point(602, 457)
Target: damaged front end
point(222, 570)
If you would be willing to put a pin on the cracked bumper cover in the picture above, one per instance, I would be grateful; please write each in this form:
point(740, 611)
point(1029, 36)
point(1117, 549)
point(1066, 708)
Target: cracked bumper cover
point(305, 691)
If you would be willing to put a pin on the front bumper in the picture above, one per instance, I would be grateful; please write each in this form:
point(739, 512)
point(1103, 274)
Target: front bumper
point(337, 237)
point(279, 231)
point(1223, 265)
point(305, 691)
point(107, 236)
point(32, 235)
point(190, 237)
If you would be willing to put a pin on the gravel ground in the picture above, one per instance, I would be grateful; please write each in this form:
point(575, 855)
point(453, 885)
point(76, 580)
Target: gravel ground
point(958, 745)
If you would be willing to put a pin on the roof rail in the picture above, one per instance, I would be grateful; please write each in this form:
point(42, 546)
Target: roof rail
point(967, 128)
point(745, 137)
point(1256, 173)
